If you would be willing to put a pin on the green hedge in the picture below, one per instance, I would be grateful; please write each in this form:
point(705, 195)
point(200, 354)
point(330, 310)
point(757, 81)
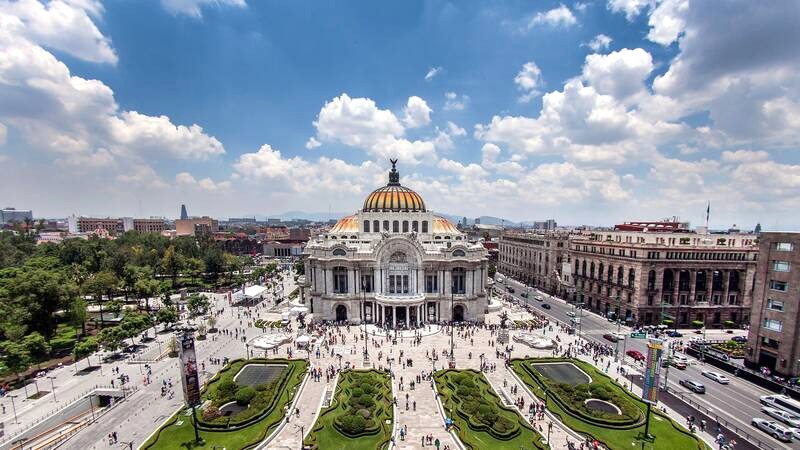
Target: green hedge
point(358, 414)
point(480, 417)
point(668, 434)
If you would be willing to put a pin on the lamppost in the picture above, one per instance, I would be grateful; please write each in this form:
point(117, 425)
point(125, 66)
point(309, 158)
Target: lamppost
point(619, 324)
point(580, 312)
point(14, 406)
point(452, 322)
point(53, 387)
point(364, 318)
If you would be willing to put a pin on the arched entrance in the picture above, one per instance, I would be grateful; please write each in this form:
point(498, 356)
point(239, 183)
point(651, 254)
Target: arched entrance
point(458, 313)
point(341, 313)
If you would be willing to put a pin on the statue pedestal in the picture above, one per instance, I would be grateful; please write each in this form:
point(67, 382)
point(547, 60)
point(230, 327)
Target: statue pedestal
point(502, 336)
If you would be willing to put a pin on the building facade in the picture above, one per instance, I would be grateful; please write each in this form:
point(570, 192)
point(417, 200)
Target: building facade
point(395, 263)
point(773, 337)
point(12, 215)
point(196, 226)
point(535, 259)
point(649, 278)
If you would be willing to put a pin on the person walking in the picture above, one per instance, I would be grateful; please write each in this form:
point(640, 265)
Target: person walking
point(437, 443)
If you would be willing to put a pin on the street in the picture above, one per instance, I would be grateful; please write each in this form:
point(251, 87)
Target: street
point(736, 403)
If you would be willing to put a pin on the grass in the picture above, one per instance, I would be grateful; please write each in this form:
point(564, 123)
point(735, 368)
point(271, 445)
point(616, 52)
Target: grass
point(479, 416)
point(178, 432)
point(668, 435)
point(64, 337)
point(327, 434)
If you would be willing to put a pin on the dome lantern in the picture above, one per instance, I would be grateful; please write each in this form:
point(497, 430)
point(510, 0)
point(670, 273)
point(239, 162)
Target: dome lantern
point(394, 197)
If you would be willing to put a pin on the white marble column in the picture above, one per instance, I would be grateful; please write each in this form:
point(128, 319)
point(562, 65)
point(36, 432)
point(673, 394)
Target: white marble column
point(394, 316)
point(407, 314)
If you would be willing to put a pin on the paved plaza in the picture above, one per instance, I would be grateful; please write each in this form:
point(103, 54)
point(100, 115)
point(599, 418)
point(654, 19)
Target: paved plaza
point(418, 411)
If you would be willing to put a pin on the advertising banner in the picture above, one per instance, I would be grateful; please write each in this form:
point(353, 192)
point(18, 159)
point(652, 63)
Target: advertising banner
point(652, 370)
point(189, 375)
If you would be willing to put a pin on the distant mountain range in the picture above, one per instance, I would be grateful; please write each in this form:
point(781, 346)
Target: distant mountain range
point(324, 216)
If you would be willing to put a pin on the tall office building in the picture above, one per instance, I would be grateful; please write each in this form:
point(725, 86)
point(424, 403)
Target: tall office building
point(184, 214)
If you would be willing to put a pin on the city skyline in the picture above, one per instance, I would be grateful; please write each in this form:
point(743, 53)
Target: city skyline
point(590, 113)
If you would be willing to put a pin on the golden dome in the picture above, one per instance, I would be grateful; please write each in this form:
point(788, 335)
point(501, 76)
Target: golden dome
point(393, 196)
point(347, 224)
point(444, 226)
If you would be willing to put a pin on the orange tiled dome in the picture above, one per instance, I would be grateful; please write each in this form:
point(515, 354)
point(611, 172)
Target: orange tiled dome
point(393, 196)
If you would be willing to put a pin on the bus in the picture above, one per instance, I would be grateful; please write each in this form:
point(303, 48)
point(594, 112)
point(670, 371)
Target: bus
point(782, 402)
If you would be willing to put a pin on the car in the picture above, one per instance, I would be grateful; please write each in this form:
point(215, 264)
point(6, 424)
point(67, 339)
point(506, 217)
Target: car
point(524, 294)
point(680, 357)
point(610, 337)
point(539, 298)
point(793, 420)
point(772, 428)
point(636, 355)
point(680, 365)
point(795, 432)
point(619, 336)
point(570, 313)
point(545, 306)
point(510, 289)
point(739, 339)
point(674, 333)
point(694, 386)
point(716, 376)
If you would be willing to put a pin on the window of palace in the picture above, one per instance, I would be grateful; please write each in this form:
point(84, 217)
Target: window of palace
point(339, 280)
point(366, 226)
point(396, 226)
point(424, 226)
point(459, 275)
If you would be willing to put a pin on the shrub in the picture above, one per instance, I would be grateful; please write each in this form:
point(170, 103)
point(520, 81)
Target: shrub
point(226, 390)
point(244, 395)
point(698, 323)
point(353, 424)
point(211, 413)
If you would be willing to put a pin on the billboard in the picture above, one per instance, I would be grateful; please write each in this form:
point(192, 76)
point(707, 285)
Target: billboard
point(652, 370)
point(189, 375)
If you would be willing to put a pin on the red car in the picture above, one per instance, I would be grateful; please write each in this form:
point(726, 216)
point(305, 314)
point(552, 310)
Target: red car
point(636, 355)
point(611, 337)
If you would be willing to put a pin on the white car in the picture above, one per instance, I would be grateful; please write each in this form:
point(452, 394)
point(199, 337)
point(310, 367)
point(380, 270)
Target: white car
point(795, 432)
point(793, 420)
point(773, 428)
point(619, 336)
point(680, 358)
point(570, 313)
point(716, 376)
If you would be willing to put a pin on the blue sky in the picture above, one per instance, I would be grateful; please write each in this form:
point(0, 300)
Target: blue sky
point(586, 112)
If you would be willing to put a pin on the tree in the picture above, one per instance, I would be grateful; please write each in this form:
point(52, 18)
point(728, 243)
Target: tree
point(492, 270)
point(214, 261)
point(111, 338)
point(133, 324)
point(197, 304)
point(37, 292)
point(145, 289)
point(167, 316)
point(212, 324)
point(78, 313)
point(300, 267)
point(114, 307)
point(195, 268)
point(100, 284)
point(36, 345)
point(171, 264)
point(17, 359)
point(84, 348)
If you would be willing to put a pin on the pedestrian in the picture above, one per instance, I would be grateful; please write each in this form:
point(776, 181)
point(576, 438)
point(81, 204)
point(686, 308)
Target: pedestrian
point(437, 443)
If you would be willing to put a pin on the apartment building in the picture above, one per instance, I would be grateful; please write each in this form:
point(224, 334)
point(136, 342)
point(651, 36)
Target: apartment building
point(773, 337)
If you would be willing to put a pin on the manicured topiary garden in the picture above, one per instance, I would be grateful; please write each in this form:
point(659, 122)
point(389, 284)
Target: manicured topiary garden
point(235, 414)
point(360, 416)
point(618, 427)
point(479, 416)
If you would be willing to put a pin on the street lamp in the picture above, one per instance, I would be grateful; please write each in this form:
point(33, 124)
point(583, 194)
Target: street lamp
point(364, 318)
point(619, 324)
point(14, 406)
point(53, 387)
point(452, 323)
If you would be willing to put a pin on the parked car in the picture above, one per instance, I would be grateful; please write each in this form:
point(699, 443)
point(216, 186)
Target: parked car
point(674, 333)
point(739, 339)
point(716, 376)
point(510, 289)
point(524, 294)
point(694, 386)
point(773, 428)
point(545, 306)
point(793, 420)
point(636, 355)
point(611, 337)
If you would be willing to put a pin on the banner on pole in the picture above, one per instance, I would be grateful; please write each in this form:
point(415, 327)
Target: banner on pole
point(652, 370)
point(189, 376)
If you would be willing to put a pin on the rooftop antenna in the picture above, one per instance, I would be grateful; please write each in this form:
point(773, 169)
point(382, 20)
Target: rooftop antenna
point(708, 213)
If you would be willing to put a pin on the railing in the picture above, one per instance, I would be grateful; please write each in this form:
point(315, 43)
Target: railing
point(729, 425)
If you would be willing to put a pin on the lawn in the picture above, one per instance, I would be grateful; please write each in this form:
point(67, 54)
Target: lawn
point(360, 416)
point(178, 433)
point(480, 417)
point(624, 431)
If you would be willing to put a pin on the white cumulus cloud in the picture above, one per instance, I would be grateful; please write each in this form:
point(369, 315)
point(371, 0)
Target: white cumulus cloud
point(193, 8)
point(417, 113)
point(433, 72)
point(529, 81)
point(600, 42)
point(560, 16)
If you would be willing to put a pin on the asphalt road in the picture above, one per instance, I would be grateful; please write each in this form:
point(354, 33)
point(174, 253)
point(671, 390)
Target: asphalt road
point(736, 403)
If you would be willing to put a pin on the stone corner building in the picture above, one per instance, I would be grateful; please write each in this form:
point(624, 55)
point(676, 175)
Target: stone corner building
point(774, 339)
point(395, 263)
